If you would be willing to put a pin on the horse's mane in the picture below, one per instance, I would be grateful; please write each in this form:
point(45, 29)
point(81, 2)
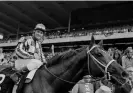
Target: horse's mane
point(64, 56)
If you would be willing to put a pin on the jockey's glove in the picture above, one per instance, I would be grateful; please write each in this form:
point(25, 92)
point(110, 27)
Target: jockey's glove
point(44, 61)
point(31, 57)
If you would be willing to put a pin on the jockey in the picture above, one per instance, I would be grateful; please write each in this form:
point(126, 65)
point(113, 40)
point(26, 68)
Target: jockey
point(29, 51)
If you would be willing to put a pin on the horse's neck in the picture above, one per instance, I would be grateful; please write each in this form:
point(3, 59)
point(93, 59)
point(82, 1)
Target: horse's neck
point(68, 70)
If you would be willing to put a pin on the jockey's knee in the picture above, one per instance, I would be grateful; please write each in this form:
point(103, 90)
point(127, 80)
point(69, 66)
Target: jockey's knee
point(34, 65)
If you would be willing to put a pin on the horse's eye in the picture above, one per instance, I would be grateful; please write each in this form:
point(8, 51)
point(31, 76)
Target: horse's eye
point(99, 54)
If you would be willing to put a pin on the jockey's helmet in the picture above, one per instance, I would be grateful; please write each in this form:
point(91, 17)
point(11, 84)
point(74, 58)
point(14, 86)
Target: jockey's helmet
point(41, 27)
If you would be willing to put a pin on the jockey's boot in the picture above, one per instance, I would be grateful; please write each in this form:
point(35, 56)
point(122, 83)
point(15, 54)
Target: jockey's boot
point(17, 76)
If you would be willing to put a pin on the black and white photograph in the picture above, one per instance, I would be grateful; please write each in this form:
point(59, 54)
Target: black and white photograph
point(66, 46)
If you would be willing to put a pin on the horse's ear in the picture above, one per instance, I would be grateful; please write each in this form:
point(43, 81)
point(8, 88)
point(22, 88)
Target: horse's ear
point(92, 42)
point(101, 43)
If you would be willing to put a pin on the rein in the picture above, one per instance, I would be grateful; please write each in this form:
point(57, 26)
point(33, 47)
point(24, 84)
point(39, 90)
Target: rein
point(69, 81)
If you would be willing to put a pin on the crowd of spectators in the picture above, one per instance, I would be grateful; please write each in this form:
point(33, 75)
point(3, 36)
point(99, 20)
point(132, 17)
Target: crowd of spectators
point(85, 32)
point(113, 51)
point(78, 33)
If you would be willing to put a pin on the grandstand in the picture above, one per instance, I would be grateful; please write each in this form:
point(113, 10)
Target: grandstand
point(86, 18)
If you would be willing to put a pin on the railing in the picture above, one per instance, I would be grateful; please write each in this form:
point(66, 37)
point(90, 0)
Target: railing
point(80, 38)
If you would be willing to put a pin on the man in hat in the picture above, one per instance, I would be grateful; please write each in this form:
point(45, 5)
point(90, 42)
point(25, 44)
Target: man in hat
point(127, 61)
point(84, 86)
point(103, 88)
point(29, 52)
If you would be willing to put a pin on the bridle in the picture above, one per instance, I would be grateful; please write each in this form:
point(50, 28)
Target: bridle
point(105, 71)
point(107, 74)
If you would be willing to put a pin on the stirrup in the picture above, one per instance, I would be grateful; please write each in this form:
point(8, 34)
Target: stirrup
point(18, 81)
point(15, 77)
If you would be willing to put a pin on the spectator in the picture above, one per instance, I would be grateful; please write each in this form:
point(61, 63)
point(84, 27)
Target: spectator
point(84, 86)
point(103, 88)
point(117, 56)
point(127, 61)
point(110, 51)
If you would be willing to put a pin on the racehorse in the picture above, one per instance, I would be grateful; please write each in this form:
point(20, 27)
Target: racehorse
point(64, 70)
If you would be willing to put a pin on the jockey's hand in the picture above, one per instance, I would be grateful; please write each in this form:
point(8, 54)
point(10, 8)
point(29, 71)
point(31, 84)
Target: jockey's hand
point(44, 61)
point(36, 56)
point(31, 57)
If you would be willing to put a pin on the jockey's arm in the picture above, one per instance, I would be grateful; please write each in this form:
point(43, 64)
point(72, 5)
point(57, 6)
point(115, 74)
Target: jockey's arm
point(21, 52)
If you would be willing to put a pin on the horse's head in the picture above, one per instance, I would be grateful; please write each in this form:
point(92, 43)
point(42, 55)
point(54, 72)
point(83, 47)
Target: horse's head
point(101, 64)
point(6, 83)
